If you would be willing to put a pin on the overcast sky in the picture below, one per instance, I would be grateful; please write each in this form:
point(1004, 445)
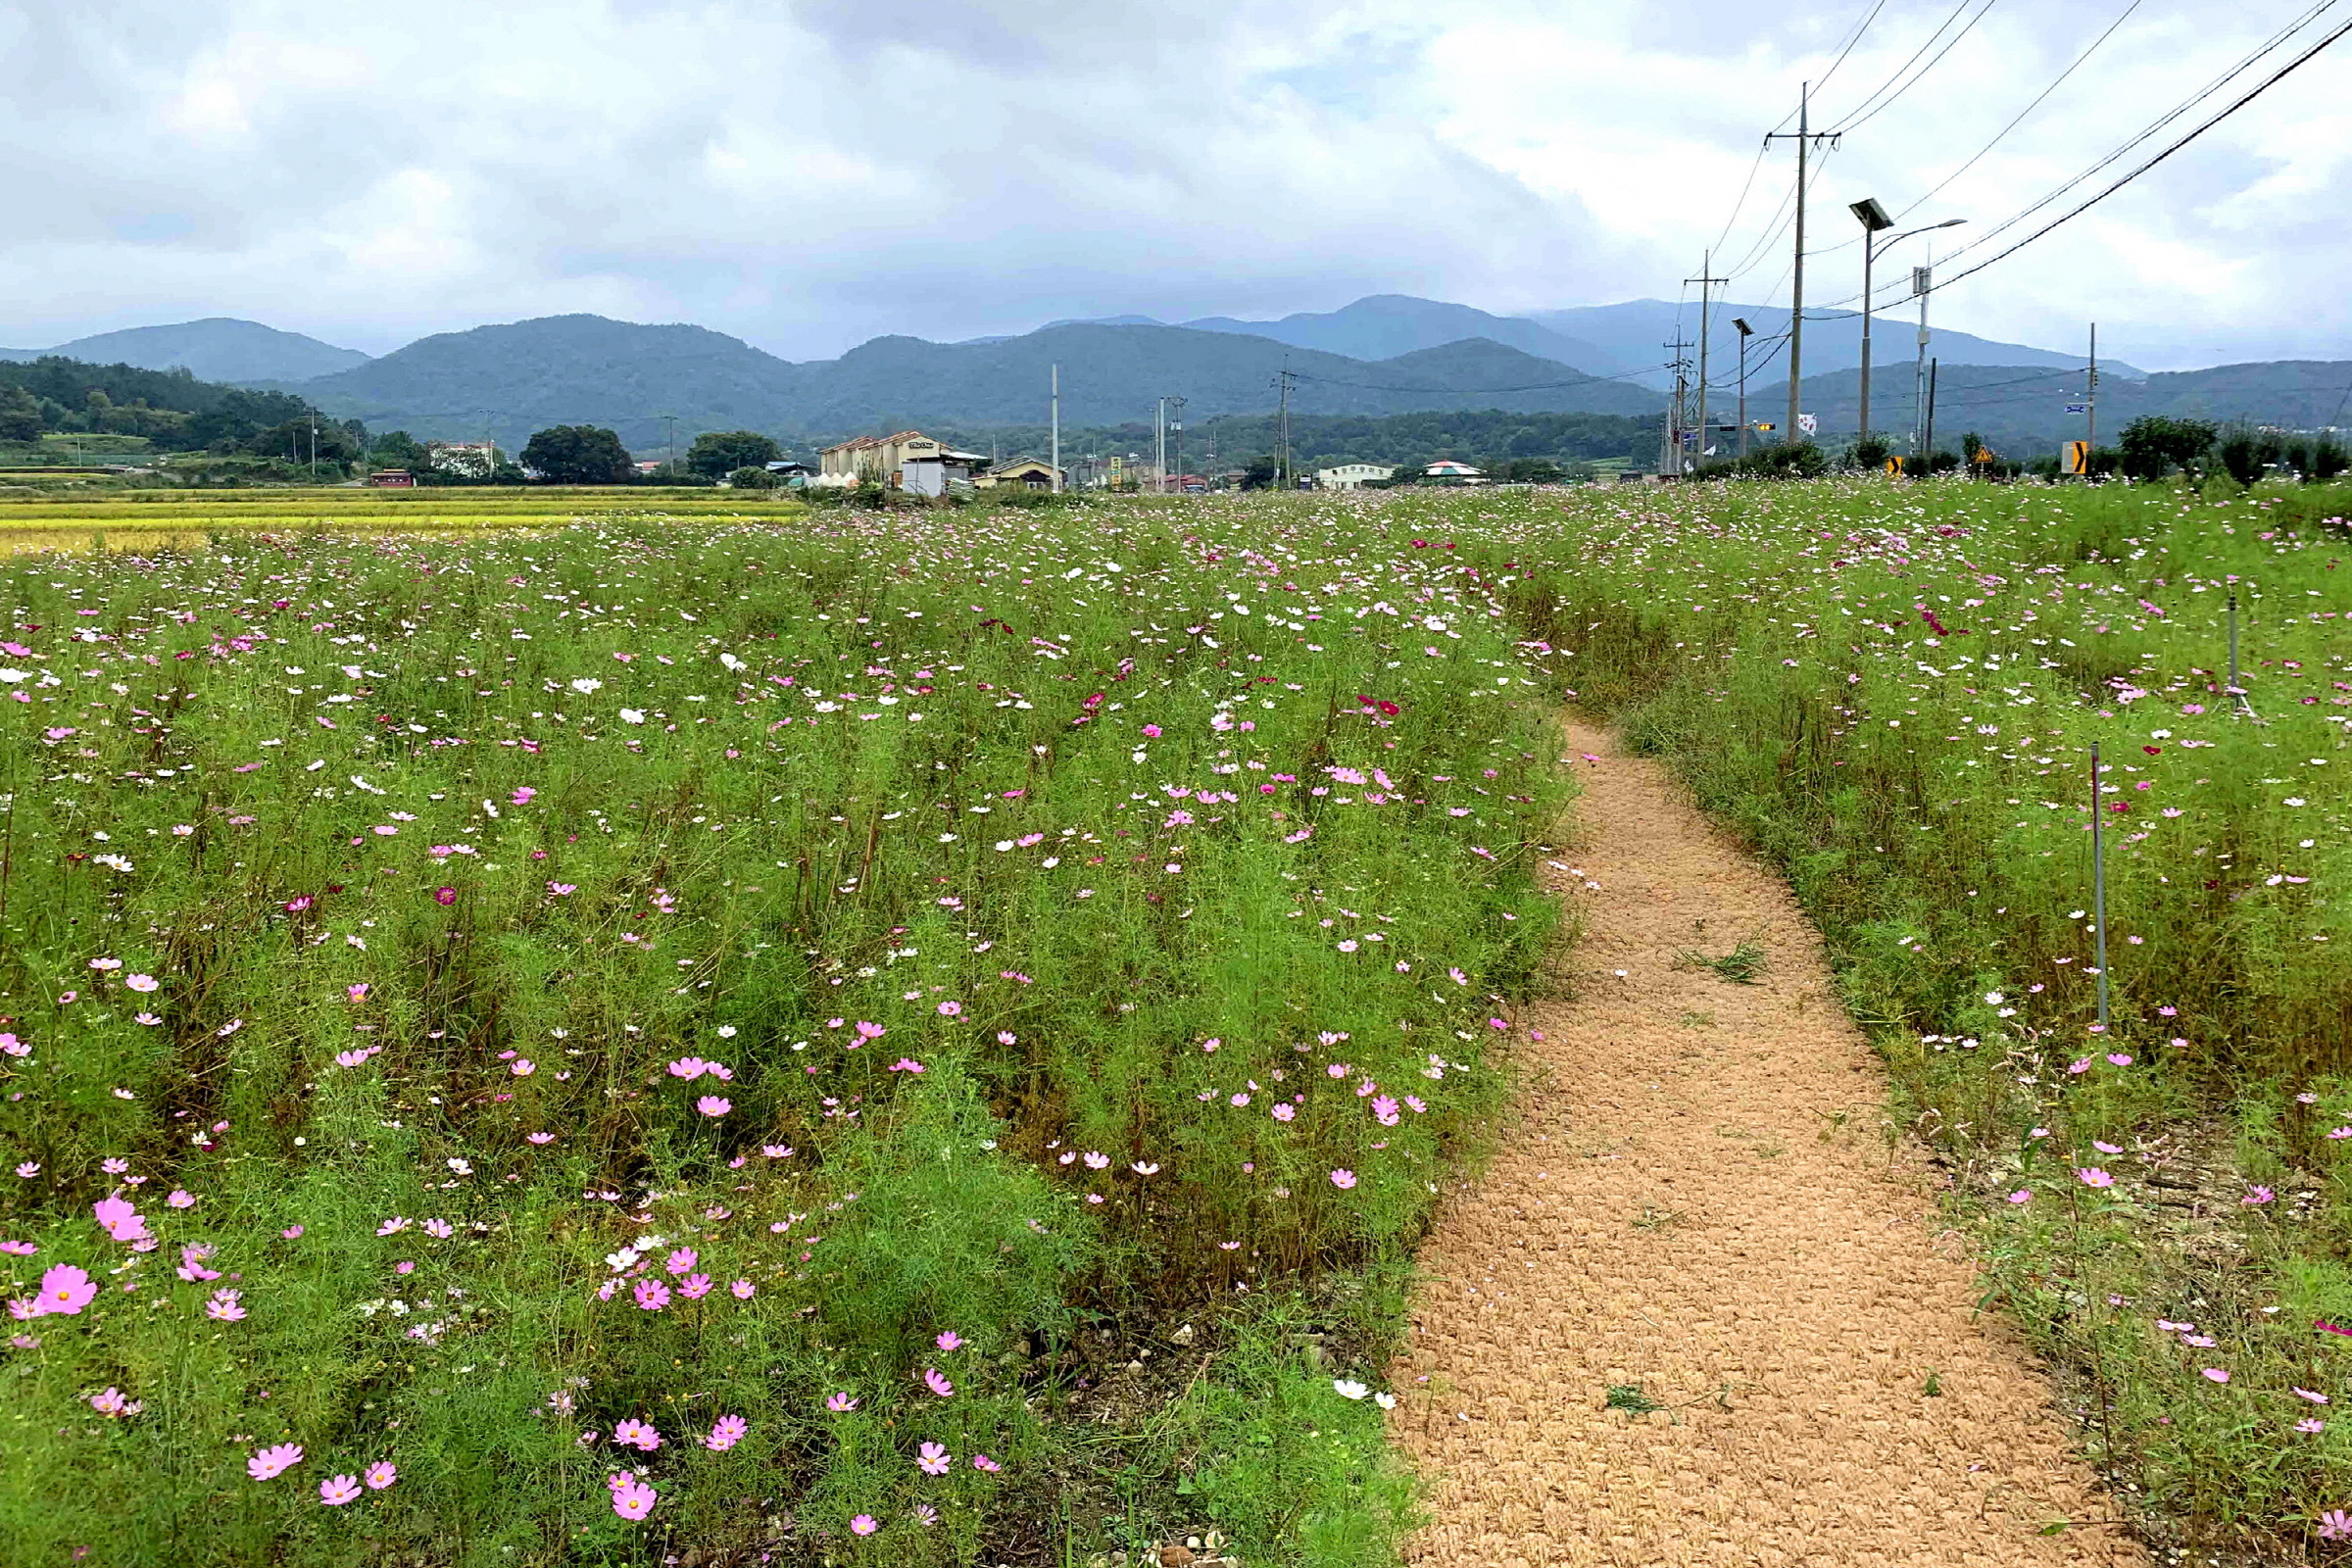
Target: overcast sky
point(808, 173)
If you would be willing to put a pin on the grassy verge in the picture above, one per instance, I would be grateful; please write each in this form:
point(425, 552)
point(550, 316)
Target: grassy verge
point(663, 1040)
point(1894, 692)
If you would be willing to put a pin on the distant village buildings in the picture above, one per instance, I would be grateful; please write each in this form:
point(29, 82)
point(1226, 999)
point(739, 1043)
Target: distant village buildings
point(908, 461)
point(1350, 475)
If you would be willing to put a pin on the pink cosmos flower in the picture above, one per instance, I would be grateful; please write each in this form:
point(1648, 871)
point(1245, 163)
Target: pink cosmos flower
point(651, 1294)
point(2335, 1524)
point(907, 1064)
point(121, 1221)
point(273, 1461)
point(18, 1248)
point(936, 1383)
point(635, 1500)
point(981, 1461)
point(840, 1403)
point(863, 1525)
point(445, 896)
point(224, 1307)
point(2307, 1393)
point(743, 1289)
point(522, 1067)
point(935, 1460)
point(522, 795)
point(66, 1291)
point(713, 1106)
point(682, 1260)
point(638, 1435)
point(141, 982)
point(2092, 1176)
point(381, 1474)
point(2021, 1196)
point(950, 1340)
point(1284, 1111)
point(694, 1287)
point(1342, 1179)
point(180, 1198)
point(2215, 1374)
point(336, 1491)
point(727, 1433)
point(688, 1067)
point(951, 1010)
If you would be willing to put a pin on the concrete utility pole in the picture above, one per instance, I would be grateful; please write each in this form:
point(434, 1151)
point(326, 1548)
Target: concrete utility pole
point(2090, 403)
point(1159, 444)
point(1923, 282)
point(671, 463)
point(1176, 431)
point(1745, 332)
point(1283, 424)
point(1670, 461)
point(1804, 138)
point(1706, 283)
point(1056, 429)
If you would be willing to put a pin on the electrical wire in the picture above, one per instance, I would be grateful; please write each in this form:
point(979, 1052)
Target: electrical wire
point(1969, 28)
point(2216, 85)
point(2039, 99)
point(1957, 11)
point(2257, 92)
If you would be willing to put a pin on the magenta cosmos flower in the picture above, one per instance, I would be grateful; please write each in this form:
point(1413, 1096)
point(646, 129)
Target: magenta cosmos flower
point(934, 1459)
point(336, 1491)
point(634, 1499)
point(863, 1525)
point(713, 1106)
point(1342, 1179)
point(273, 1461)
point(66, 1289)
point(726, 1433)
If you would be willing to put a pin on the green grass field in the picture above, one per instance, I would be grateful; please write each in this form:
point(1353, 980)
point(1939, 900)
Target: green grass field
point(681, 1035)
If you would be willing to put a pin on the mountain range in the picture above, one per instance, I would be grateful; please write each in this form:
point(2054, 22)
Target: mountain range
point(633, 378)
point(218, 347)
point(1382, 355)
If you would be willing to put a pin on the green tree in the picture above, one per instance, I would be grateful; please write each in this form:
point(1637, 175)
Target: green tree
point(750, 478)
point(717, 452)
point(396, 449)
point(2155, 444)
point(19, 415)
point(578, 454)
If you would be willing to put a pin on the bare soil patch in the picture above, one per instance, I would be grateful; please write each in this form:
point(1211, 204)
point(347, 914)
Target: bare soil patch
point(1696, 1313)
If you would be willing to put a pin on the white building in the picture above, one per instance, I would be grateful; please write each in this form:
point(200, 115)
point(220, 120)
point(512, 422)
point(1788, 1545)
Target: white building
point(1348, 475)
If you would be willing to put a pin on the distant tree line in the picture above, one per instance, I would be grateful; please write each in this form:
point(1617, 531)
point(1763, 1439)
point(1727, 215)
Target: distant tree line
point(170, 410)
point(2152, 447)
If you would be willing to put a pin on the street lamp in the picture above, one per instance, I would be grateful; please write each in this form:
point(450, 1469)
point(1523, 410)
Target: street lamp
point(1745, 332)
point(1874, 220)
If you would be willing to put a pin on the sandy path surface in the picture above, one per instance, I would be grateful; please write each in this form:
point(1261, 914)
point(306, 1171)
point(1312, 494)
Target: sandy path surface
point(1670, 1213)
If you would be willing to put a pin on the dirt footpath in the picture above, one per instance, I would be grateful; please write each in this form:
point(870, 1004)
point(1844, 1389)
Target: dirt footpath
point(1697, 1204)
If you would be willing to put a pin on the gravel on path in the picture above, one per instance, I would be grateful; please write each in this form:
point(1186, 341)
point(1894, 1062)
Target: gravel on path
point(1698, 1203)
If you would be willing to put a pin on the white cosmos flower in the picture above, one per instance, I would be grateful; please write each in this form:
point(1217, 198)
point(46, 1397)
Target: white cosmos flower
point(587, 685)
point(1349, 1388)
point(632, 715)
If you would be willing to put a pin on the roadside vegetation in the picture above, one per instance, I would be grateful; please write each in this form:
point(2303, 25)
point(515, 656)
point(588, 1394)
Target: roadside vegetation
point(1893, 690)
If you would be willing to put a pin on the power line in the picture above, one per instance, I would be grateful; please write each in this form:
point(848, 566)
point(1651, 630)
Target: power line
point(2275, 42)
point(2257, 92)
point(2039, 99)
point(1965, 30)
point(1957, 10)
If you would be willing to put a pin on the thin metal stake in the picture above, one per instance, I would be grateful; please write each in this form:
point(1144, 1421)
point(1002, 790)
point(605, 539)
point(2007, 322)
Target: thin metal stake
point(2236, 690)
point(2099, 884)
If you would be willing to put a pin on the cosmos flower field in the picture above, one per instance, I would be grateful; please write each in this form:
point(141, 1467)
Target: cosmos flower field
point(689, 1039)
point(595, 1045)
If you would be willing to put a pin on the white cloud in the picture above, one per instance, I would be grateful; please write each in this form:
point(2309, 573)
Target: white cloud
point(809, 176)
